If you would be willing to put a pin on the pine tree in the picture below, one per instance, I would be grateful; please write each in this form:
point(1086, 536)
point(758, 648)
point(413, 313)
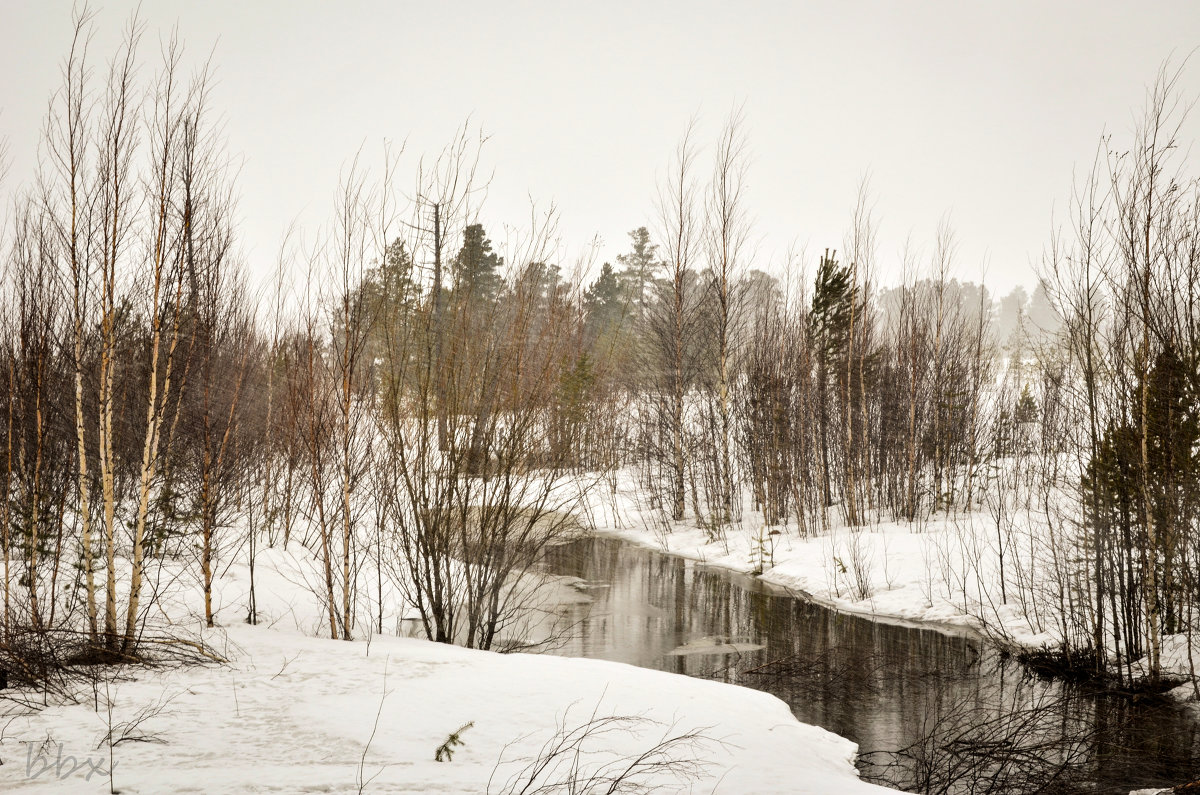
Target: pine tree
point(1173, 424)
point(831, 304)
point(1174, 466)
point(572, 399)
point(1024, 418)
point(389, 287)
point(1026, 408)
point(829, 327)
point(476, 269)
point(639, 269)
point(604, 305)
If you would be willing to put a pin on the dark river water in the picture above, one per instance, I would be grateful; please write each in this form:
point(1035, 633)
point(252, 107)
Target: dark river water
point(930, 711)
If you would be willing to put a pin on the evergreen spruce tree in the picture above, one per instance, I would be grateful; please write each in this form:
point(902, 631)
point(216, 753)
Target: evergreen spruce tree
point(639, 270)
point(604, 304)
point(1174, 469)
point(831, 304)
point(390, 285)
point(476, 269)
point(829, 327)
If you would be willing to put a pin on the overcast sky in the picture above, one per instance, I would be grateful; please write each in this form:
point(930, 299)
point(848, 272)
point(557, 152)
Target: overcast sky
point(978, 112)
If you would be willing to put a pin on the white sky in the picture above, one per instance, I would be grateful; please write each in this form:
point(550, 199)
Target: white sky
point(975, 111)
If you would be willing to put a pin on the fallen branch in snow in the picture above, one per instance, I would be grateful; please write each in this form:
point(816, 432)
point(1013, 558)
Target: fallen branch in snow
point(197, 646)
point(445, 751)
point(286, 663)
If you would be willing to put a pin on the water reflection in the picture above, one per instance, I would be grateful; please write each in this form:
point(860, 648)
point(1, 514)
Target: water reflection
point(886, 687)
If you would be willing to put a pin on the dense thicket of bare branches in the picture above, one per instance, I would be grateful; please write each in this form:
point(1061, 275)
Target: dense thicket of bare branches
point(1122, 277)
point(118, 266)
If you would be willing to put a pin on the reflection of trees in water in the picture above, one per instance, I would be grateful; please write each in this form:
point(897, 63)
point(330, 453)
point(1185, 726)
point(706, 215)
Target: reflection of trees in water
point(931, 712)
point(966, 745)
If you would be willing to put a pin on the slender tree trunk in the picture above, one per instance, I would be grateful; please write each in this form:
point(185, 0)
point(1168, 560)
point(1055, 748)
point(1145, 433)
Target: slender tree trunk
point(206, 527)
point(852, 517)
point(347, 441)
point(1152, 539)
point(677, 398)
point(912, 424)
point(5, 506)
point(36, 501)
point(107, 484)
point(438, 309)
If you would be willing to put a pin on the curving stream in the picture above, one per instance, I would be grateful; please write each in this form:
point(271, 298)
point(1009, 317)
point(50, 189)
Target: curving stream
point(931, 711)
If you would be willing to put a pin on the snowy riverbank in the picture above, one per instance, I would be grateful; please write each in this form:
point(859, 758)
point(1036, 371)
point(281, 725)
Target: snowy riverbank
point(293, 713)
point(946, 574)
point(956, 573)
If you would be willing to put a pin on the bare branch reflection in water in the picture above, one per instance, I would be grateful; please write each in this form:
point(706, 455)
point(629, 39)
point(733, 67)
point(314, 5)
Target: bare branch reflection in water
point(913, 699)
point(967, 747)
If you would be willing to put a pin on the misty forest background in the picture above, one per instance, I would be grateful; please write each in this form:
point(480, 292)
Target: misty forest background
point(421, 396)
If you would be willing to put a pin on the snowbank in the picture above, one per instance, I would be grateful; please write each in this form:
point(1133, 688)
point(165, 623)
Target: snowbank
point(293, 713)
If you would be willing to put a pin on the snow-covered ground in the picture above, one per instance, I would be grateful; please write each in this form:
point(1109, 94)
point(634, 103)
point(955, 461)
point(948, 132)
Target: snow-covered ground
point(965, 572)
point(296, 713)
point(946, 572)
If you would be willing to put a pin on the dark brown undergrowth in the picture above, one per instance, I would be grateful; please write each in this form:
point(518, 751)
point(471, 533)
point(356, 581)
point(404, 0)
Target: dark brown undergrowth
point(1078, 667)
point(62, 665)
